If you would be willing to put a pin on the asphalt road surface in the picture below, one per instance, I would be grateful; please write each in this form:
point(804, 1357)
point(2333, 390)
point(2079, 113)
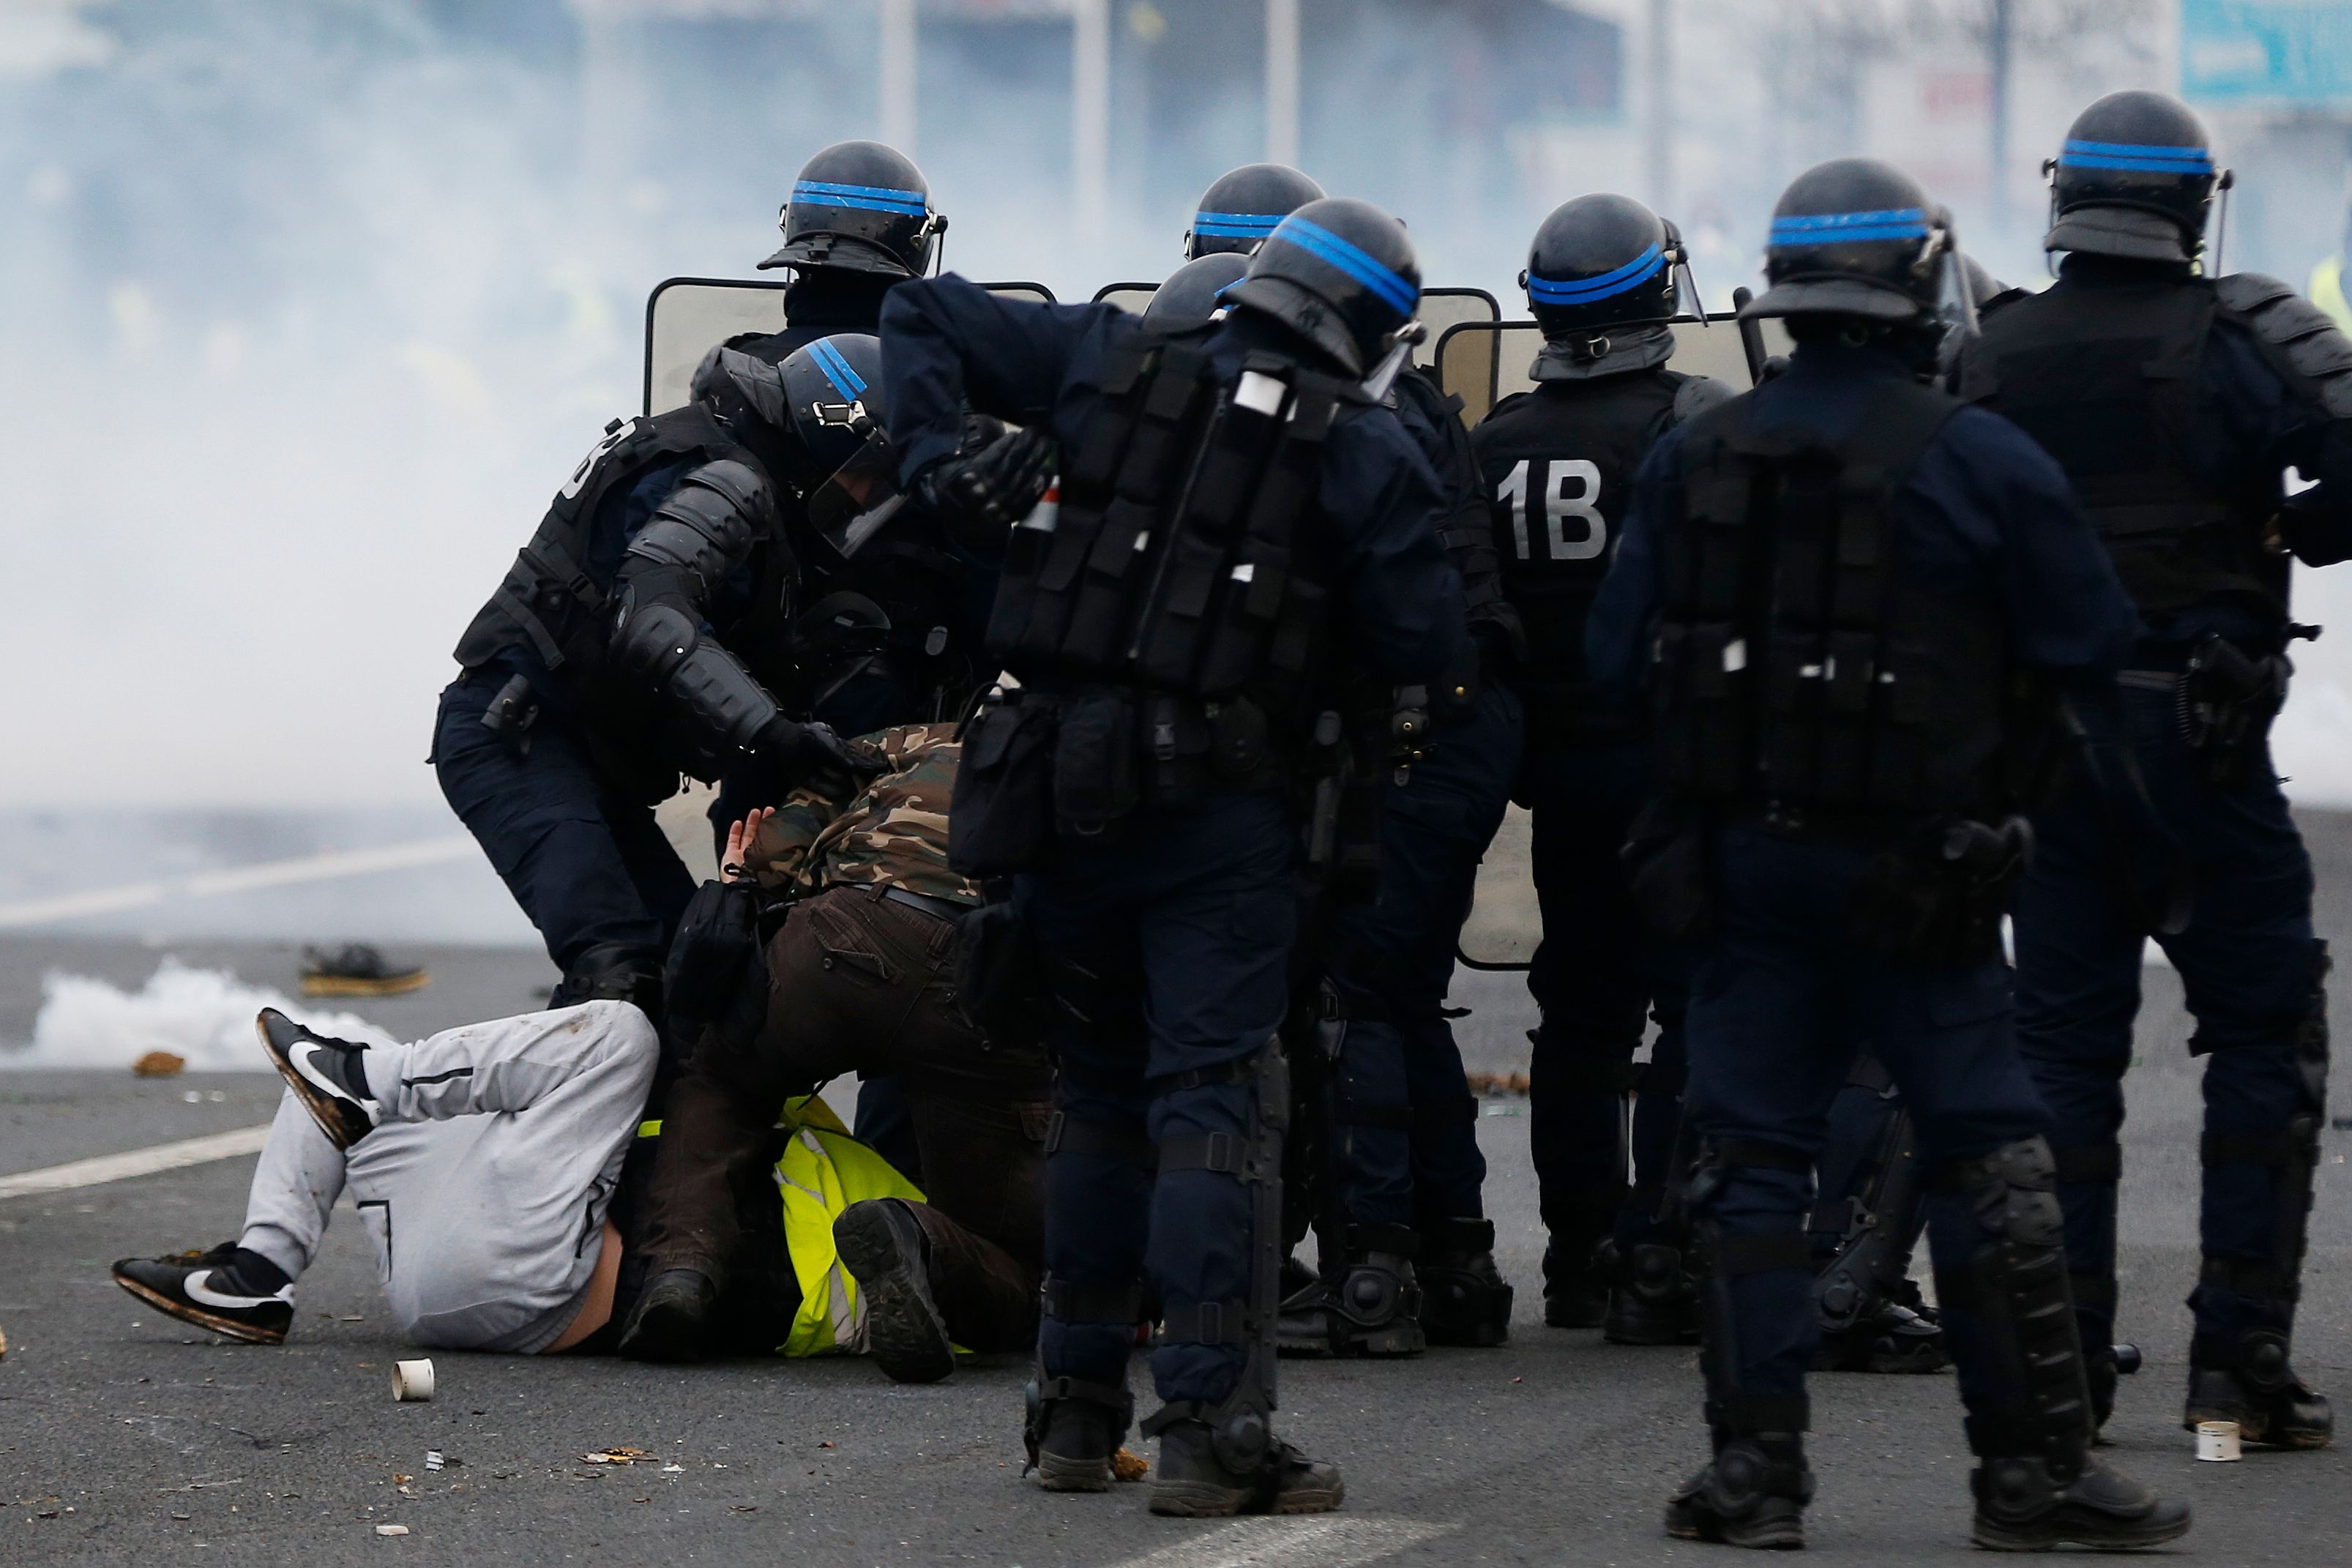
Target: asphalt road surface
point(124, 1438)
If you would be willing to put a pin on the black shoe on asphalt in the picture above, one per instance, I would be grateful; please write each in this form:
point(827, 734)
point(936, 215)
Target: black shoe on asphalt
point(1465, 1300)
point(883, 1248)
point(229, 1292)
point(1075, 1442)
point(327, 1075)
point(2271, 1405)
point(1889, 1338)
point(1190, 1483)
point(1577, 1297)
point(2020, 1507)
point(1753, 1494)
point(671, 1319)
point(1653, 1303)
point(1303, 1327)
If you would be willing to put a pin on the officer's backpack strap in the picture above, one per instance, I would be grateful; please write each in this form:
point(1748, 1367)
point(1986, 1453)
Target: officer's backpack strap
point(2297, 337)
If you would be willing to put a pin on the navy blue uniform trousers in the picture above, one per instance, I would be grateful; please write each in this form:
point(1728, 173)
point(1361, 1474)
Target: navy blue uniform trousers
point(1597, 978)
point(1780, 1001)
point(1168, 953)
point(2251, 970)
point(588, 865)
point(1405, 1131)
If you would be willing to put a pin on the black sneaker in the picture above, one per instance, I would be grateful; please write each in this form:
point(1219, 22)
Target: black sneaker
point(1189, 1482)
point(2020, 1507)
point(671, 1319)
point(883, 1248)
point(229, 1292)
point(326, 1075)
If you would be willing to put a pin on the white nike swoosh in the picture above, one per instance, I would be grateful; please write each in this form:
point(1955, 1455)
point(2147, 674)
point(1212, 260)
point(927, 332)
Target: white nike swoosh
point(302, 1056)
point(196, 1290)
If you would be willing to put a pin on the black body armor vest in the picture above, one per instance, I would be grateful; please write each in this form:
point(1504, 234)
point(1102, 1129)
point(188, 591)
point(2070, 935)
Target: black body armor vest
point(1465, 529)
point(1557, 466)
point(1802, 668)
point(1186, 559)
point(549, 602)
point(2109, 380)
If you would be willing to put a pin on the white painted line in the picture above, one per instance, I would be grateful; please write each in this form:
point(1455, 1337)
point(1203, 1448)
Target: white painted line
point(239, 879)
point(1328, 1540)
point(137, 1162)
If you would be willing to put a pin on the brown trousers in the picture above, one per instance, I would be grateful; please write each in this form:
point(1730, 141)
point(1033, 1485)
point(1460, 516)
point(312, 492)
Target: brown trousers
point(858, 983)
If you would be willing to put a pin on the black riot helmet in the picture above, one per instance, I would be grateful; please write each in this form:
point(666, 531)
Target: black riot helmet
point(1340, 274)
point(1241, 209)
point(1602, 261)
point(859, 206)
point(848, 473)
point(1194, 292)
point(1855, 237)
point(2135, 178)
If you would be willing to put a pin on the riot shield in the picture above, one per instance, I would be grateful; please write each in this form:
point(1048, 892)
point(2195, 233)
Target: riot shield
point(686, 317)
point(1484, 363)
point(1130, 297)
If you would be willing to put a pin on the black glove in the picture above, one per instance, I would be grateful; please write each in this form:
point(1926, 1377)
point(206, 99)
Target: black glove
point(820, 757)
point(984, 494)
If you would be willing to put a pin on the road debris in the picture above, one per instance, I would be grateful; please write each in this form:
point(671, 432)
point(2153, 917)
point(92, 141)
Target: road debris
point(392, 1530)
point(159, 1064)
point(1127, 1465)
point(433, 1460)
point(412, 1380)
point(618, 1454)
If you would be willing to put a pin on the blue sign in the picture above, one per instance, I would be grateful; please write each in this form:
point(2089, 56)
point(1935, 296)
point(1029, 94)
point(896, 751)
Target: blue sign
point(2253, 53)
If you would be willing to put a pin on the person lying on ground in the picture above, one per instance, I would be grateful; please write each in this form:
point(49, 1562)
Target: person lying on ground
point(860, 978)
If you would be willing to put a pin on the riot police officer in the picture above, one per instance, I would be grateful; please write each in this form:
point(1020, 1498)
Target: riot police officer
point(637, 637)
point(1834, 587)
point(1238, 518)
point(1241, 208)
point(859, 222)
point(2174, 400)
point(1557, 464)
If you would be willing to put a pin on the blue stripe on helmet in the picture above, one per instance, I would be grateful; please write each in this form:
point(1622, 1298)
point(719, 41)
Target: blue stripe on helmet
point(1586, 290)
point(874, 198)
point(1399, 293)
point(1231, 225)
point(1845, 228)
point(837, 370)
point(2138, 155)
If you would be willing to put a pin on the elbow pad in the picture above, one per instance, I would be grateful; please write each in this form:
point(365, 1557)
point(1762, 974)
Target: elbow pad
point(661, 642)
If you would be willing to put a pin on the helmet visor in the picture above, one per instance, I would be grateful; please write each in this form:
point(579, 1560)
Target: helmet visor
point(858, 498)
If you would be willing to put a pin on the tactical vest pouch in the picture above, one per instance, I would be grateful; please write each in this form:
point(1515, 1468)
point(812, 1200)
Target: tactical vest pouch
point(1267, 610)
point(2228, 700)
point(1000, 820)
point(1173, 401)
point(1038, 583)
point(1095, 755)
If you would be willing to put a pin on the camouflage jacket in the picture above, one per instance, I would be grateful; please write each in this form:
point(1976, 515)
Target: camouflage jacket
point(894, 832)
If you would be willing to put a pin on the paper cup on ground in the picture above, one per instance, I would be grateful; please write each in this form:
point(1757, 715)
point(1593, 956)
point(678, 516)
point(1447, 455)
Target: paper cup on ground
point(2217, 1440)
point(412, 1382)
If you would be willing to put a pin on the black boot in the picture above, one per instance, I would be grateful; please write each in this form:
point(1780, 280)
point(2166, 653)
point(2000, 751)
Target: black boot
point(1303, 1328)
point(1576, 1284)
point(885, 1250)
point(671, 1319)
point(1465, 1300)
point(1073, 1430)
point(1886, 1337)
point(1753, 1494)
point(2022, 1506)
point(1194, 1480)
point(2248, 1379)
point(1652, 1301)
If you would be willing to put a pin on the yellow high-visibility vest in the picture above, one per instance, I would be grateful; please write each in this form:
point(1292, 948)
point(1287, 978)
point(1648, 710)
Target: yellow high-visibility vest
point(823, 1171)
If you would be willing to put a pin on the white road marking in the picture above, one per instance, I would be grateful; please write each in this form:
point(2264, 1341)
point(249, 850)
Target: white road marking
point(137, 1162)
point(1327, 1542)
point(239, 879)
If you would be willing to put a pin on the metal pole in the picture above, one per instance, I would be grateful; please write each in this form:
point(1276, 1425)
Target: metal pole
point(1282, 81)
point(1997, 46)
point(899, 57)
point(1660, 130)
point(1090, 113)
